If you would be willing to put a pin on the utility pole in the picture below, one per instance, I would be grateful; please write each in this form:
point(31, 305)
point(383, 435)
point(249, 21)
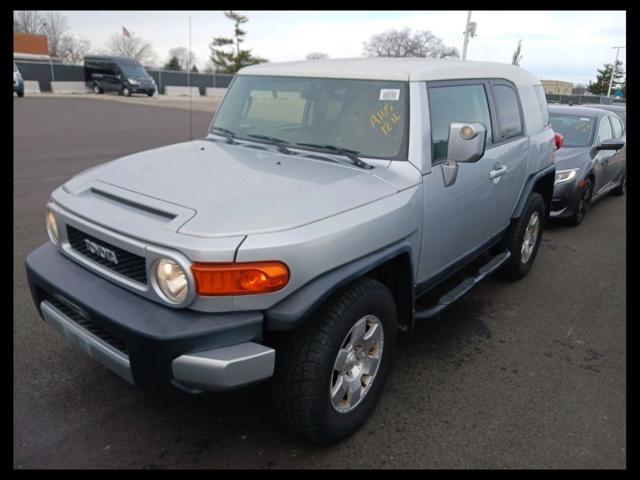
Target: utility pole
point(613, 70)
point(470, 29)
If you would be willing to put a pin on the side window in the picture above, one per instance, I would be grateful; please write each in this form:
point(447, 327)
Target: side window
point(604, 132)
point(542, 100)
point(617, 127)
point(508, 112)
point(455, 103)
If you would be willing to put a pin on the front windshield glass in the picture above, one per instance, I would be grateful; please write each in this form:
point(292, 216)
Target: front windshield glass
point(133, 70)
point(368, 116)
point(577, 130)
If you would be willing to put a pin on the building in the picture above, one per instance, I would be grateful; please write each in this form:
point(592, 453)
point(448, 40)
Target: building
point(579, 90)
point(557, 87)
point(30, 44)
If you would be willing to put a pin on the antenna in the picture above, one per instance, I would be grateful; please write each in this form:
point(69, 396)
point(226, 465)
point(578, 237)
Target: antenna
point(189, 83)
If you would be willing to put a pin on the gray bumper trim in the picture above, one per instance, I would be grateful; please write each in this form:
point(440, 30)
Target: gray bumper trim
point(225, 368)
point(81, 338)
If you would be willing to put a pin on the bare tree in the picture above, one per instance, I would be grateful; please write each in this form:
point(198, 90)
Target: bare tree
point(132, 46)
point(405, 43)
point(186, 58)
point(73, 49)
point(316, 56)
point(27, 21)
point(54, 26)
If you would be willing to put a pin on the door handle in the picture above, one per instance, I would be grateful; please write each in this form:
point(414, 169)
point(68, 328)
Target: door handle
point(497, 172)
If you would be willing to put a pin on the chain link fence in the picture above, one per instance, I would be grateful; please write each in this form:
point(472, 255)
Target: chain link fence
point(579, 99)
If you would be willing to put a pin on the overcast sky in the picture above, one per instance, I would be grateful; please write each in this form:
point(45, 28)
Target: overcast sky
point(556, 45)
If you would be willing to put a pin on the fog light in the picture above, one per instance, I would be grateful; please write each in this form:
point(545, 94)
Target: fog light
point(171, 280)
point(52, 228)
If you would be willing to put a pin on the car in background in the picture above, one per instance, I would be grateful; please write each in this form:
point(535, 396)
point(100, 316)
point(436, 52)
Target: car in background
point(620, 110)
point(123, 75)
point(591, 162)
point(18, 82)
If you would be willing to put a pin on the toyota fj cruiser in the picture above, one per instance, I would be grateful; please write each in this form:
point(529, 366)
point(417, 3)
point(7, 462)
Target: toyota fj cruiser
point(331, 204)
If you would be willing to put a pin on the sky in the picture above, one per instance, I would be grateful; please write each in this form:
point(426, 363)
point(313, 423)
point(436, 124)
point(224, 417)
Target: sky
point(556, 45)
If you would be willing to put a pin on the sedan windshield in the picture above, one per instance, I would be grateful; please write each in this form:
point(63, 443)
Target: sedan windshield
point(369, 117)
point(577, 130)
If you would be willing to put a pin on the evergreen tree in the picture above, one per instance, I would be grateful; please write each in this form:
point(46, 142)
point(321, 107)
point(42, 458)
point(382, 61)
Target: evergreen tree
point(601, 85)
point(194, 69)
point(230, 61)
point(173, 64)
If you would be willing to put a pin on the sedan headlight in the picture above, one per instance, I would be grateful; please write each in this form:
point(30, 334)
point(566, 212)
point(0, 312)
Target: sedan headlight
point(52, 228)
point(132, 81)
point(566, 175)
point(171, 280)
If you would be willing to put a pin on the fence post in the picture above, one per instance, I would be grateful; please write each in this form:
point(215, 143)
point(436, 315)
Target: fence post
point(159, 81)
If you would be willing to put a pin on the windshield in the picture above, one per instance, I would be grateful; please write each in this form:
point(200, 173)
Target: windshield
point(133, 70)
point(577, 130)
point(367, 116)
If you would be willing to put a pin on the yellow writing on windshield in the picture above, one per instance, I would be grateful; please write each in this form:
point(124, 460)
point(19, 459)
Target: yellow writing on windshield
point(385, 119)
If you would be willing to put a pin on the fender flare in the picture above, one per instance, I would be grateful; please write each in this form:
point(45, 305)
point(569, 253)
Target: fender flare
point(297, 307)
point(529, 186)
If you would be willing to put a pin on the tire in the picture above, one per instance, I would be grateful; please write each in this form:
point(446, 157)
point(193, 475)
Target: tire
point(97, 90)
point(126, 92)
point(620, 189)
point(20, 94)
point(306, 359)
point(150, 94)
point(522, 259)
point(582, 205)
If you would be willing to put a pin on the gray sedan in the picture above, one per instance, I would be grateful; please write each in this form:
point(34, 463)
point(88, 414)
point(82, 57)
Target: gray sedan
point(620, 110)
point(590, 163)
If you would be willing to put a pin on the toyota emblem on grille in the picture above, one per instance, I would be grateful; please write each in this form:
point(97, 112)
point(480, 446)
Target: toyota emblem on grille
point(100, 251)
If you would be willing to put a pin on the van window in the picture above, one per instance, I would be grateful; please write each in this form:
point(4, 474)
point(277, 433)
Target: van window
point(455, 103)
point(508, 112)
point(542, 101)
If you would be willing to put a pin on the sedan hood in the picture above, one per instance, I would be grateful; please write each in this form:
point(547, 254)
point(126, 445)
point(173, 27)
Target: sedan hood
point(572, 157)
point(234, 190)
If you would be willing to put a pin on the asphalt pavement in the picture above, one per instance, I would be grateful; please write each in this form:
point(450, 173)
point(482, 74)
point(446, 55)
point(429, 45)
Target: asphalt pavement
point(530, 374)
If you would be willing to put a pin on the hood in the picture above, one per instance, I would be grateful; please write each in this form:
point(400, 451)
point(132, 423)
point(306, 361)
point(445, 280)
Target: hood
point(234, 190)
point(572, 157)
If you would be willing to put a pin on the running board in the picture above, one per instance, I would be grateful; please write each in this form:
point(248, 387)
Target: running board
point(458, 291)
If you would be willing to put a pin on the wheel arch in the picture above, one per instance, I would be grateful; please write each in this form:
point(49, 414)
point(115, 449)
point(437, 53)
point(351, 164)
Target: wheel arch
point(541, 182)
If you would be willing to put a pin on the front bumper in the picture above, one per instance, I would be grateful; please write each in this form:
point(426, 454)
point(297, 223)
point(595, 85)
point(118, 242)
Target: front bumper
point(147, 344)
point(141, 89)
point(565, 196)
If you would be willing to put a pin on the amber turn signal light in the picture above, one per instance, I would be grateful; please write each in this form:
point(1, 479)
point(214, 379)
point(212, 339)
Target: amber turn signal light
point(214, 279)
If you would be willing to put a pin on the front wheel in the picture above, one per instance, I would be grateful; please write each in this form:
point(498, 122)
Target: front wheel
point(330, 372)
point(620, 189)
point(523, 238)
point(20, 93)
point(582, 204)
point(96, 89)
point(126, 92)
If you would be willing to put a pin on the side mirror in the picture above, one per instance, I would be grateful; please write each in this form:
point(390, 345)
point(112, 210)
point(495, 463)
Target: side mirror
point(466, 144)
point(611, 144)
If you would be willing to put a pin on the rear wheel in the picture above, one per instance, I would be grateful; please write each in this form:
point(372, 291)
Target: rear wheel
point(330, 372)
point(622, 188)
point(523, 238)
point(582, 204)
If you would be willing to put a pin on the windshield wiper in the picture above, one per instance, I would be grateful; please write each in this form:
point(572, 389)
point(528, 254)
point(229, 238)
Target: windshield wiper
point(278, 143)
point(227, 133)
point(350, 154)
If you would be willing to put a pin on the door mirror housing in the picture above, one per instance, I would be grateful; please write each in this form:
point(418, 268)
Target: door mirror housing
point(611, 144)
point(466, 142)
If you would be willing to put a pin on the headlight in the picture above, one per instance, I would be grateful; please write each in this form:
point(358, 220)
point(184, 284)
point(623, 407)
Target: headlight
point(52, 228)
point(132, 81)
point(565, 175)
point(171, 280)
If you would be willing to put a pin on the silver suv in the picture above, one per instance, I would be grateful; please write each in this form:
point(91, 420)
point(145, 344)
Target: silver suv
point(333, 203)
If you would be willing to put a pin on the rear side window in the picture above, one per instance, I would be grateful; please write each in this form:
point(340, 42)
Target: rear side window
point(508, 112)
point(542, 101)
point(617, 127)
point(455, 103)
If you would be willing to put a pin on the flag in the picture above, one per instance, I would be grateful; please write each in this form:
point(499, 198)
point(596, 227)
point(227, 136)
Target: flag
point(125, 32)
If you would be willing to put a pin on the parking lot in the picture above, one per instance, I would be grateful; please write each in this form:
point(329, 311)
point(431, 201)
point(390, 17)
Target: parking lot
point(529, 374)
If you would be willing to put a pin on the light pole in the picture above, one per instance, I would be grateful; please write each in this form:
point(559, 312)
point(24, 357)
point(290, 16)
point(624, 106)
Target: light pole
point(613, 70)
point(470, 29)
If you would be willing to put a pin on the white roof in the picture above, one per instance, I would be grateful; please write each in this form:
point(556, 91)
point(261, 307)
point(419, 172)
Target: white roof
point(387, 68)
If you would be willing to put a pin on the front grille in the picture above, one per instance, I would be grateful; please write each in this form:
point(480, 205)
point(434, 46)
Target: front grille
point(78, 317)
point(129, 265)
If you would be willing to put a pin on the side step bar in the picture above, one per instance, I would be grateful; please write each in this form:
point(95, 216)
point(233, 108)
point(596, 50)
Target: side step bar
point(458, 291)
